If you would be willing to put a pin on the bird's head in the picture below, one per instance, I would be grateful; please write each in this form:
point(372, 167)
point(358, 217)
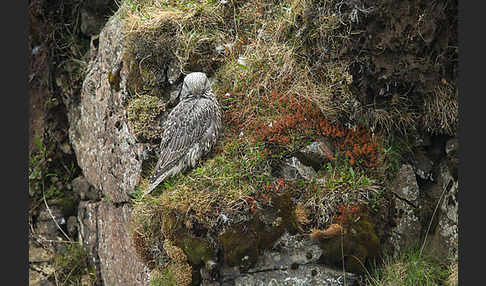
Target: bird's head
point(195, 84)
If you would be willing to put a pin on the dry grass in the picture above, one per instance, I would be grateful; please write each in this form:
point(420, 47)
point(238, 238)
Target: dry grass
point(333, 230)
point(440, 110)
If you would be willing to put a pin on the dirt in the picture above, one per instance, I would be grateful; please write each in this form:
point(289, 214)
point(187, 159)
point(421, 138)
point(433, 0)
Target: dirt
point(39, 70)
point(410, 43)
point(405, 49)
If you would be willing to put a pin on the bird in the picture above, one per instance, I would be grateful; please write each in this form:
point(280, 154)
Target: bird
point(190, 131)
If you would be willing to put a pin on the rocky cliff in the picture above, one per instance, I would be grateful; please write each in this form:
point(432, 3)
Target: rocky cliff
point(339, 143)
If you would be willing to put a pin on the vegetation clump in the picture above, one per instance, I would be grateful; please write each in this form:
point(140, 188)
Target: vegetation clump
point(284, 78)
point(410, 267)
point(144, 116)
point(351, 240)
point(73, 267)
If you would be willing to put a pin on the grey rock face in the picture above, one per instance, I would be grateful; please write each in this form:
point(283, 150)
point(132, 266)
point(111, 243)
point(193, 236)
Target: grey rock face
point(91, 24)
point(447, 229)
point(94, 14)
point(88, 230)
point(85, 191)
point(120, 264)
point(434, 202)
point(452, 145)
point(408, 226)
point(105, 236)
point(106, 150)
point(421, 164)
point(293, 260)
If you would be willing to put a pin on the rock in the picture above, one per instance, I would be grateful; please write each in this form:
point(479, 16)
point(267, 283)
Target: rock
point(47, 227)
point(174, 94)
point(39, 275)
point(72, 226)
point(80, 185)
point(452, 145)
point(317, 153)
point(293, 260)
point(421, 139)
point(38, 253)
point(91, 24)
point(104, 233)
point(41, 257)
point(408, 227)
point(421, 164)
point(294, 169)
point(452, 150)
point(65, 147)
point(447, 229)
point(106, 150)
point(85, 191)
point(94, 14)
point(120, 264)
point(88, 230)
point(173, 71)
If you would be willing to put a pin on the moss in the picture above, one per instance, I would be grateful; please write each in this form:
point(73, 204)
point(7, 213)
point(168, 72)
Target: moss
point(144, 117)
point(141, 248)
point(197, 249)
point(240, 246)
point(172, 274)
point(114, 79)
point(241, 241)
point(357, 243)
point(175, 253)
point(68, 205)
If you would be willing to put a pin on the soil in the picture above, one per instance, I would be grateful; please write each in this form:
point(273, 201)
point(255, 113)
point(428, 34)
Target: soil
point(404, 50)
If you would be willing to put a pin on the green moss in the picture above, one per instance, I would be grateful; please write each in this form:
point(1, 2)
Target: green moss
point(240, 246)
point(144, 116)
point(198, 250)
point(358, 244)
point(242, 241)
point(68, 205)
point(172, 274)
point(114, 79)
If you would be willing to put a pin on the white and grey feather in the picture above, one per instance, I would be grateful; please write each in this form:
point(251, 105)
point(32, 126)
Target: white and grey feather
point(191, 130)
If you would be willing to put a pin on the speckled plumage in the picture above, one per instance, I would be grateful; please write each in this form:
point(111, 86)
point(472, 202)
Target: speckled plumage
point(191, 129)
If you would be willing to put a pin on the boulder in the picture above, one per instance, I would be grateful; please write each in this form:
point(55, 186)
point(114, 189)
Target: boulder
point(93, 15)
point(445, 236)
point(106, 238)
point(293, 260)
point(408, 226)
point(317, 153)
point(294, 169)
point(106, 150)
point(85, 191)
point(452, 150)
point(421, 164)
point(120, 264)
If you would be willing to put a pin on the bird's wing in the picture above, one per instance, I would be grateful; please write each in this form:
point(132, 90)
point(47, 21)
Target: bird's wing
point(187, 124)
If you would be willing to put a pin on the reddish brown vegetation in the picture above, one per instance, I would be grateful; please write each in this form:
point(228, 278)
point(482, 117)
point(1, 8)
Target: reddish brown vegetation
point(279, 120)
point(346, 213)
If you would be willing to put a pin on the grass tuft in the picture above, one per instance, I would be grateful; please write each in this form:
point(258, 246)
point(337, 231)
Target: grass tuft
point(409, 267)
